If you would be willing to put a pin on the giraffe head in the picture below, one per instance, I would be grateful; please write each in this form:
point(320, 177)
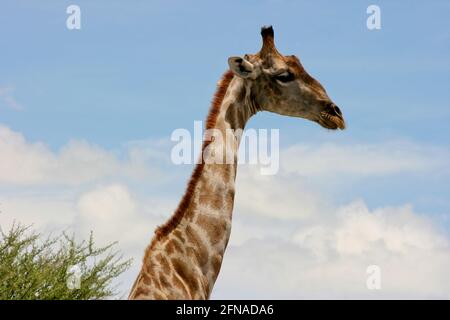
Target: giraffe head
point(280, 84)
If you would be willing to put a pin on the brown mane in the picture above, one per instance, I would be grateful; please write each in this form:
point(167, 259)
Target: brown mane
point(214, 110)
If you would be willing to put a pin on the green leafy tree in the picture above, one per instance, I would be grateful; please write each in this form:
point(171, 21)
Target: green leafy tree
point(34, 267)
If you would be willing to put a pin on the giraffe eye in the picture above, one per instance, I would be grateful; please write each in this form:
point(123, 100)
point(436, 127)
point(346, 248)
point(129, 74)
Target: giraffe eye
point(285, 76)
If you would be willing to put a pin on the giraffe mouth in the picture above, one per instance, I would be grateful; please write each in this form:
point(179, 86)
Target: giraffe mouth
point(331, 121)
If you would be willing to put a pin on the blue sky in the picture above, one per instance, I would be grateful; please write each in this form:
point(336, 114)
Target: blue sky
point(138, 70)
point(127, 61)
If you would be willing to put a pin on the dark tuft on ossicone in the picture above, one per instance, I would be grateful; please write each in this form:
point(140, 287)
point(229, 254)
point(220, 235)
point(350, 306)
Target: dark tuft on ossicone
point(267, 31)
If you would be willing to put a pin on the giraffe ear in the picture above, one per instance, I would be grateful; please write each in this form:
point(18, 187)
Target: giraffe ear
point(241, 67)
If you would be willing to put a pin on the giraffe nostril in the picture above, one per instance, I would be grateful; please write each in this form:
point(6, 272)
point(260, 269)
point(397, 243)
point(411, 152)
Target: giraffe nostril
point(333, 109)
point(338, 111)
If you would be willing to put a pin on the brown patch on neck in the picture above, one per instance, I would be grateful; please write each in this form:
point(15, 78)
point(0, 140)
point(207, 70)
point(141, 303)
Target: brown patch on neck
point(235, 117)
point(176, 218)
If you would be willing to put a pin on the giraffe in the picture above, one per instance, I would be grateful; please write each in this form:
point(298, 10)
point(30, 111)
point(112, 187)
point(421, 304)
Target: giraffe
point(185, 255)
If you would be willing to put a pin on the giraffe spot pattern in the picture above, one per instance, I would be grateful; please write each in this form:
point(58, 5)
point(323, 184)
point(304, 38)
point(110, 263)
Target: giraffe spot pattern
point(214, 227)
point(196, 242)
point(186, 273)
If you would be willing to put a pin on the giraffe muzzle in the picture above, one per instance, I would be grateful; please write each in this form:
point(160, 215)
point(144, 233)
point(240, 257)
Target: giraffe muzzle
point(331, 117)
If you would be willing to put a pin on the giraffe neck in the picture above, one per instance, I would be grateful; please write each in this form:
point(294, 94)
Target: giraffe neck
point(209, 216)
point(185, 256)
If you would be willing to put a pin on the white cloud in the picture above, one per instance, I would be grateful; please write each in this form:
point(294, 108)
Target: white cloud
point(46, 211)
point(289, 241)
point(27, 163)
point(397, 229)
point(281, 196)
point(111, 211)
point(328, 258)
point(358, 231)
point(364, 160)
point(115, 215)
